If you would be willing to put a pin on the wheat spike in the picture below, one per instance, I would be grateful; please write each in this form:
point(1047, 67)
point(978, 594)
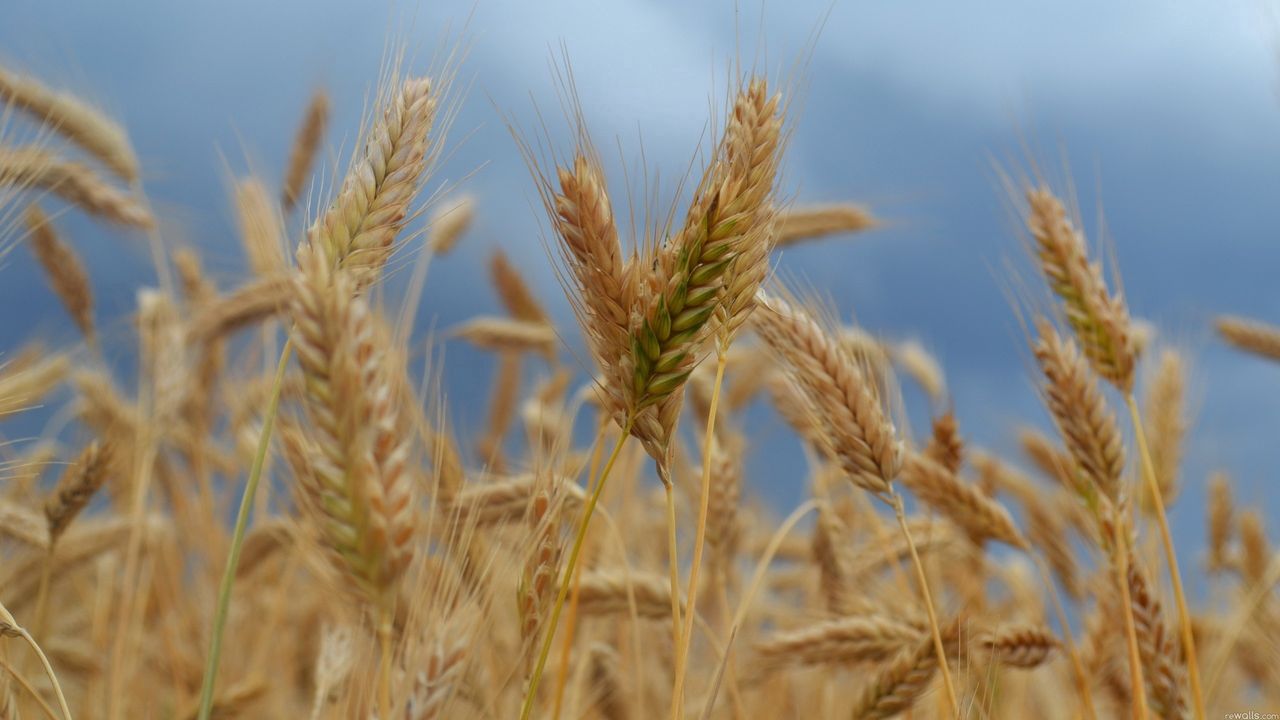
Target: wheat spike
point(66, 273)
point(854, 428)
point(39, 169)
point(306, 146)
point(76, 488)
point(74, 119)
point(1251, 336)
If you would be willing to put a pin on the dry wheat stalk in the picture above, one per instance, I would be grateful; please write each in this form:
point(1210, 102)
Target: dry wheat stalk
point(1249, 335)
point(74, 119)
point(40, 169)
point(809, 222)
point(63, 268)
point(306, 146)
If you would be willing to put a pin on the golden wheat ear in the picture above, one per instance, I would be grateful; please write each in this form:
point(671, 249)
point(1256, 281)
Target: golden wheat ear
point(39, 169)
point(73, 119)
point(306, 146)
point(63, 268)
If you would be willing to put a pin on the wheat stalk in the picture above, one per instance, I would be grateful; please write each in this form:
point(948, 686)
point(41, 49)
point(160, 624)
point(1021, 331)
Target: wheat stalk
point(39, 169)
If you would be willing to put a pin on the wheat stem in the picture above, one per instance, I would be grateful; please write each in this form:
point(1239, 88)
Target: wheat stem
point(17, 676)
point(1166, 538)
point(1121, 561)
point(928, 605)
point(682, 654)
point(526, 711)
point(48, 670)
point(562, 674)
point(237, 538)
point(384, 668)
point(1077, 667)
point(673, 563)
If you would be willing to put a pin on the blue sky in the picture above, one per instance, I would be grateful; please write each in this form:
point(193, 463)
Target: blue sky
point(1165, 113)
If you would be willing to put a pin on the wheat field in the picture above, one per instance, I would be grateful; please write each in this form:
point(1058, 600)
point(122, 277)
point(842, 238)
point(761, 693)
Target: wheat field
point(283, 517)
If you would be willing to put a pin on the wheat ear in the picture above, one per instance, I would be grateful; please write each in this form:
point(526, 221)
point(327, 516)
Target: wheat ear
point(854, 428)
point(810, 222)
point(36, 168)
point(62, 266)
point(1251, 336)
point(306, 146)
point(74, 119)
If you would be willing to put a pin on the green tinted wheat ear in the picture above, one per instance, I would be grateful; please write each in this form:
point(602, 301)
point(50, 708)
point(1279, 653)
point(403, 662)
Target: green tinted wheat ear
point(753, 143)
point(74, 119)
point(359, 229)
point(357, 485)
point(1100, 320)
